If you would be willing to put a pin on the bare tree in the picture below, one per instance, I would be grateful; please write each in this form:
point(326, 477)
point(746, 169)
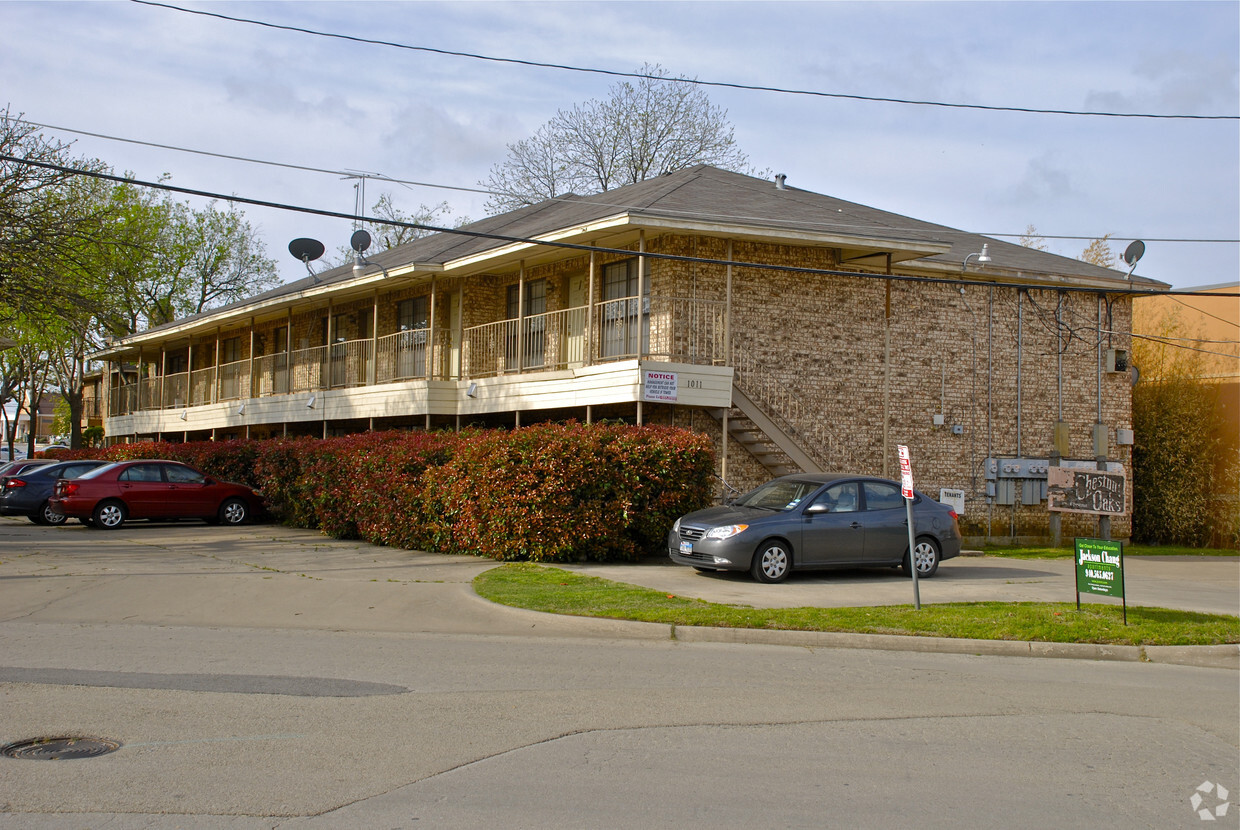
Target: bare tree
point(1099, 253)
point(646, 128)
point(1031, 239)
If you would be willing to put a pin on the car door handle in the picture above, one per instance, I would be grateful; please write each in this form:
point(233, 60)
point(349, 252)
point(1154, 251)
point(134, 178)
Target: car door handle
point(855, 525)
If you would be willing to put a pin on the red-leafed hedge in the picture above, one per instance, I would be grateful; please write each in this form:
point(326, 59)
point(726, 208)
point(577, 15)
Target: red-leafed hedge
point(544, 493)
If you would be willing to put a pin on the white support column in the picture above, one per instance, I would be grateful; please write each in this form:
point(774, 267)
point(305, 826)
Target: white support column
point(520, 323)
point(590, 314)
point(372, 376)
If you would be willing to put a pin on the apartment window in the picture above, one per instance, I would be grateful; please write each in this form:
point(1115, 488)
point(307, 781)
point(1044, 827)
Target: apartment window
point(622, 335)
point(230, 350)
point(413, 318)
point(532, 329)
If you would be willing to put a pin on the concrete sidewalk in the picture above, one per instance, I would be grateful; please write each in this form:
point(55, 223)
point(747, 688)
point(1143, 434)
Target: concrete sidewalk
point(272, 577)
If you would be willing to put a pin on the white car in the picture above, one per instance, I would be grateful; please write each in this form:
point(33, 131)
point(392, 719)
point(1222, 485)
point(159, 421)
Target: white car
point(18, 453)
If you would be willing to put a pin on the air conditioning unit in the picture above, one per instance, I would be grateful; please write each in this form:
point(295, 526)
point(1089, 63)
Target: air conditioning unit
point(1117, 360)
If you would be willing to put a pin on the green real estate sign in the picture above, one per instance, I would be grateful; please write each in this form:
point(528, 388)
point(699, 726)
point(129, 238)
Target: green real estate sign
point(1100, 567)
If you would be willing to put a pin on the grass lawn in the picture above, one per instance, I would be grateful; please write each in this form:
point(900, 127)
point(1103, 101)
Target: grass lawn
point(1068, 552)
point(558, 591)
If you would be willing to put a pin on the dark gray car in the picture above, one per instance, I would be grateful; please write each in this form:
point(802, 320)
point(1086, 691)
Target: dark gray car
point(26, 492)
point(814, 521)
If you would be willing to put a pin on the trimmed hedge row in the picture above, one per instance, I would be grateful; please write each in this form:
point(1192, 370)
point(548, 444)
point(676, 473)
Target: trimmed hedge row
point(546, 493)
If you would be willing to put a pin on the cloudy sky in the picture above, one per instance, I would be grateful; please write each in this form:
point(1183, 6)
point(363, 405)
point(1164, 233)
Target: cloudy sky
point(158, 75)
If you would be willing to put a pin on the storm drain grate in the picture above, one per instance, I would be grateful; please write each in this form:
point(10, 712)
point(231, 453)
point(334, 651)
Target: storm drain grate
point(59, 749)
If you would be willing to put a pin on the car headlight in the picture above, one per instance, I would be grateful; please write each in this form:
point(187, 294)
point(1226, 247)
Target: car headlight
point(726, 532)
point(676, 527)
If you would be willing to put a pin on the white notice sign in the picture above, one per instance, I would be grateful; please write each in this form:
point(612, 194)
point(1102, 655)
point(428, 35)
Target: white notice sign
point(658, 386)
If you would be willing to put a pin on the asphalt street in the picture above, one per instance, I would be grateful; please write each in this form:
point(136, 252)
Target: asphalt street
point(268, 677)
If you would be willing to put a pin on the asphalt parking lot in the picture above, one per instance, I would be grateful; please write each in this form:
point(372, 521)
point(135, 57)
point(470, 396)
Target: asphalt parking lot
point(104, 568)
point(263, 677)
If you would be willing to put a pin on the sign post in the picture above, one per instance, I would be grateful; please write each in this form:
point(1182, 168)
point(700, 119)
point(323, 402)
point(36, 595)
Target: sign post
point(906, 490)
point(1100, 570)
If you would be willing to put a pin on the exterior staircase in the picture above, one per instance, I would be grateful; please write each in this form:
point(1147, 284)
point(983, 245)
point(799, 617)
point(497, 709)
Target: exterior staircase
point(775, 424)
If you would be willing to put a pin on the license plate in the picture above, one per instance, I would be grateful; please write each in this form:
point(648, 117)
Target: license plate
point(686, 547)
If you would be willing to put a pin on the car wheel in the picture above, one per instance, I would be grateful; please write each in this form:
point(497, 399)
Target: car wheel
point(109, 515)
point(771, 562)
point(926, 555)
point(48, 516)
point(234, 512)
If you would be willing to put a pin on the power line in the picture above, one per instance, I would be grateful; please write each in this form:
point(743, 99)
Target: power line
point(695, 81)
point(574, 246)
point(593, 200)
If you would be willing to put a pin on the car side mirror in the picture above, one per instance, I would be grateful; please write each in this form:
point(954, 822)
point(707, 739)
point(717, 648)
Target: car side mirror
point(814, 509)
point(207, 482)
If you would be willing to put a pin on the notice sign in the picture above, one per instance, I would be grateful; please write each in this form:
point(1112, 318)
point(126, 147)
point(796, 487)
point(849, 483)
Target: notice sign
point(1071, 490)
point(906, 472)
point(1100, 567)
point(658, 386)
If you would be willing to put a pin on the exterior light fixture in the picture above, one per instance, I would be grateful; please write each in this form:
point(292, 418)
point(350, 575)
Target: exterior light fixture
point(184, 414)
point(472, 391)
point(310, 403)
point(982, 258)
point(241, 408)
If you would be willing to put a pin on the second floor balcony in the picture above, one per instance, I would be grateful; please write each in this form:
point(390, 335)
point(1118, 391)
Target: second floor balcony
point(681, 330)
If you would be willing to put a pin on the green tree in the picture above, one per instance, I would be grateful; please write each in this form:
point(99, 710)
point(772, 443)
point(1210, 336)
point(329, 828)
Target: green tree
point(1186, 468)
point(645, 128)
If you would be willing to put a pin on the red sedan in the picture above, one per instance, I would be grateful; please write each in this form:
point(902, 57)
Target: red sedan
point(106, 497)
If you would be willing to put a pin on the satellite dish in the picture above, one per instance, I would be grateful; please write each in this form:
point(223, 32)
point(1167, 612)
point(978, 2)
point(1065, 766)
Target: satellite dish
point(306, 249)
point(360, 240)
point(1134, 251)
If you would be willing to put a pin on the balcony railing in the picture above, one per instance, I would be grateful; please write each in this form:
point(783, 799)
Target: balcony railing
point(675, 329)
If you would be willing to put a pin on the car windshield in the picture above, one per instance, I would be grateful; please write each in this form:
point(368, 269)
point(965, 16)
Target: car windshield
point(98, 471)
point(780, 494)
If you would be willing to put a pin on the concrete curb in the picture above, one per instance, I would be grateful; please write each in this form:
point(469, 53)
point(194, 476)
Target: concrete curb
point(1216, 657)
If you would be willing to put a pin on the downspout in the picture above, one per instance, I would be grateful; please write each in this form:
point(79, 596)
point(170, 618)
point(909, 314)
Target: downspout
point(727, 356)
point(990, 368)
point(887, 374)
point(1020, 343)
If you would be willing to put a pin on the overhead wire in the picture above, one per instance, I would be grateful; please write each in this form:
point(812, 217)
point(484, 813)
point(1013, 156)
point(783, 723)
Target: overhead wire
point(595, 199)
point(761, 266)
point(694, 81)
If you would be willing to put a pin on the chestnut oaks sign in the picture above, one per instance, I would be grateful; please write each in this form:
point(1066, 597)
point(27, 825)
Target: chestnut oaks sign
point(1072, 490)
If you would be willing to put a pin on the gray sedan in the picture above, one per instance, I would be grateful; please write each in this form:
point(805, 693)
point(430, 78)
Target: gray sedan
point(814, 521)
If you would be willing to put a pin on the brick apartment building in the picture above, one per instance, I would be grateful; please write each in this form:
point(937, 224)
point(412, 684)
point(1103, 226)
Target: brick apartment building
point(799, 331)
